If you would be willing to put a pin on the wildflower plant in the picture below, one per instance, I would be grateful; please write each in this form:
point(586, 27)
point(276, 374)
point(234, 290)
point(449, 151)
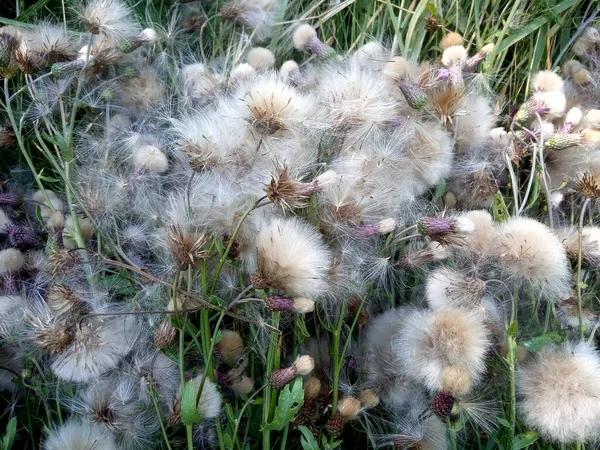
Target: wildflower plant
point(277, 239)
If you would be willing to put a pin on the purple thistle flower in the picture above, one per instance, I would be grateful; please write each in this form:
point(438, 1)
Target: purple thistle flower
point(21, 237)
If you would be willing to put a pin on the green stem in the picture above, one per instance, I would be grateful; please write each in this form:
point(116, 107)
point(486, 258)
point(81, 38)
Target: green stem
point(160, 421)
point(266, 410)
point(230, 244)
point(512, 356)
point(451, 433)
point(579, 261)
point(337, 364)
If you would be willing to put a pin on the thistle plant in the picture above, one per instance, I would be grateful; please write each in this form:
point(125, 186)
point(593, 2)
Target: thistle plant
point(236, 225)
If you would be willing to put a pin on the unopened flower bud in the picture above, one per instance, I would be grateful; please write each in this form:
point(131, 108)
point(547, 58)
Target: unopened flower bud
point(384, 226)
point(442, 404)
point(414, 95)
point(348, 409)
point(560, 141)
point(146, 37)
point(473, 62)
point(10, 199)
point(165, 334)
point(302, 366)
point(305, 38)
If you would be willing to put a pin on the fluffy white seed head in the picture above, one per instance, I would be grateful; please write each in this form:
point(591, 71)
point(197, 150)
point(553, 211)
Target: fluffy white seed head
point(370, 55)
point(448, 289)
point(574, 116)
point(96, 346)
point(209, 405)
point(260, 58)
point(397, 67)
point(559, 392)
point(430, 341)
point(488, 48)
point(386, 226)
point(455, 381)
point(571, 66)
point(303, 305)
point(230, 347)
point(304, 365)
point(547, 81)
point(327, 178)
point(148, 36)
point(110, 18)
point(76, 434)
point(463, 225)
point(303, 34)
point(554, 101)
point(11, 260)
point(592, 118)
point(150, 158)
point(530, 252)
point(293, 258)
point(289, 68)
point(455, 55)
point(349, 407)
point(241, 72)
point(451, 39)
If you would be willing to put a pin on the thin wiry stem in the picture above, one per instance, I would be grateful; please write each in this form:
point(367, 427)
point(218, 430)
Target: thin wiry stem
point(579, 261)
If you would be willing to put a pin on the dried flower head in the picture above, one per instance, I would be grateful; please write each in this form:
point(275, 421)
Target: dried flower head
point(559, 389)
point(187, 245)
point(292, 258)
point(588, 185)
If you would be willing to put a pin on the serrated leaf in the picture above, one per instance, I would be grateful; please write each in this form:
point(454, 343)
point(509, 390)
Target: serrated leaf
point(9, 437)
point(535, 344)
point(308, 441)
point(291, 399)
point(524, 439)
point(513, 329)
point(189, 410)
point(499, 209)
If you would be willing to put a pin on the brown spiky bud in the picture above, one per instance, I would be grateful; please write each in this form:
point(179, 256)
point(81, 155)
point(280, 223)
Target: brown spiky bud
point(64, 300)
point(444, 230)
point(302, 366)
point(146, 37)
point(348, 409)
point(7, 135)
point(442, 404)
point(473, 62)
point(193, 23)
point(165, 334)
point(187, 246)
point(61, 262)
point(287, 192)
point(280, 303)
